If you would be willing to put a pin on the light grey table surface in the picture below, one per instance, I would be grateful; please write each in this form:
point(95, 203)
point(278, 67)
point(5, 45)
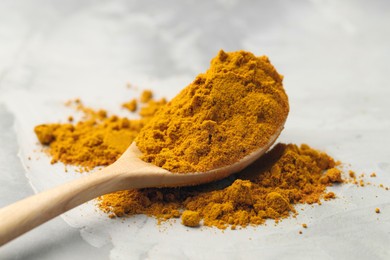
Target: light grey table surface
point(335, 56)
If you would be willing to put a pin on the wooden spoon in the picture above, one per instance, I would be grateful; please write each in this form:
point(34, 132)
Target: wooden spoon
point(128, 172)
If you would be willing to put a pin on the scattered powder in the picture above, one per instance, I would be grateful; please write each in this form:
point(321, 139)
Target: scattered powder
point(360, 181)
point(131, 105)
point(268, 189)
point(329, 195)
point(146, 96)
point(190, 218)
point(97, 139)
point(332, 175)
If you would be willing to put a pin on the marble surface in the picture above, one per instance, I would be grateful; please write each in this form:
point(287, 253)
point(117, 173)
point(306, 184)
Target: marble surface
point(335, 59)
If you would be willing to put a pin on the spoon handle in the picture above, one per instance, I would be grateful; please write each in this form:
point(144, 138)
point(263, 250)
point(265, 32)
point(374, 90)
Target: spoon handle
point(33, 211)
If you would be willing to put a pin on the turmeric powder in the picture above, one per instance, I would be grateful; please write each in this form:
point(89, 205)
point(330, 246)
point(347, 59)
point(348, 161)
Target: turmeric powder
point(97, 140)
point(190, 218)
point(222, 116)
point(267, 189)
point(146, 96)
point(131, 105)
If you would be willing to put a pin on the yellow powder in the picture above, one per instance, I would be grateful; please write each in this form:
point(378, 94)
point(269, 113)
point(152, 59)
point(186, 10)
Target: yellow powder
point(146, 96)
point(332, 175)
point(329, 195)
point(223, 115)
point(131, 105)
point(96, 140)
point(152, 106)
point(190, 218)
point(268, 189)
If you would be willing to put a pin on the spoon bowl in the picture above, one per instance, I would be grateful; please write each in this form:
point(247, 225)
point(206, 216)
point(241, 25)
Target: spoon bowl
point(128, 172)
